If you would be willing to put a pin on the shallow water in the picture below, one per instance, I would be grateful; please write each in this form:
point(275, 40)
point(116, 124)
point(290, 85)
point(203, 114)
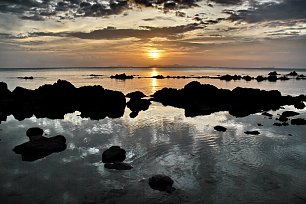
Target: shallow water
point(207, 166)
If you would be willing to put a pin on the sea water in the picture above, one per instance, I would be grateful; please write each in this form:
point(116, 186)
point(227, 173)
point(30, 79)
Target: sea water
point(206, 166)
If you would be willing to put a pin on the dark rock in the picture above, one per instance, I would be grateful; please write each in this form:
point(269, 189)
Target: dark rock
point(113, 154)
point(247, 78)
point(40, 147)
point(289, 114)
point(137, 104)
point(118, 166)
point(299, 105)
point(134, 114)
point(158, 77)
point(267, 114)
point(272, 78)
point(252, 132)
point(26, 78)
point(161, 183)
point(260, 78)
point(274, 73)
point(204, 99)
point(220, 128)
point(282, 119)
point(259, 124)
point(136, 94)
point(122, 76)
point(298, 121)
point(283, 78)
point(228, 77)
point(281, 124)
point(292, 73)
point(35, 131)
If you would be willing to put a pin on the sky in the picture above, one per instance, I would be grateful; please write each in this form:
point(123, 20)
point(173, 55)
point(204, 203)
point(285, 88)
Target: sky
point(94, 33)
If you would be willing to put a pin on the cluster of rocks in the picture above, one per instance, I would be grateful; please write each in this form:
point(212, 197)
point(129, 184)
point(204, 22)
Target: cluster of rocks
point(39, 146)
point(204, 99)
point(54, 101)
point(137, 103)
point(26, 78)
point(113, 159)
point(122, 76)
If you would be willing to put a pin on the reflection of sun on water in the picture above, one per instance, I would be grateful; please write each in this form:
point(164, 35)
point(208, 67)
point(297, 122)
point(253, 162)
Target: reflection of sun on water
point(153, 54)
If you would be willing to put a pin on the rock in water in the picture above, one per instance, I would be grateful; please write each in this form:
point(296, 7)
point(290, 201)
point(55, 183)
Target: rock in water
point(289, 114)
point(34, 131)
point(298, 121)
point(118, 166)
point(161, 183)
point(220, 128)
point(252, 132)
point(113, 154)
point(40, 147)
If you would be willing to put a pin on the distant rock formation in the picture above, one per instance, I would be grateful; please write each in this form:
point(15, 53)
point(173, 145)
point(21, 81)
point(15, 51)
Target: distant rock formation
point(122, 76)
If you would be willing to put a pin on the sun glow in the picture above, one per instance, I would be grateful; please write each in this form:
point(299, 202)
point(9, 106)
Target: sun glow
point(153, 54)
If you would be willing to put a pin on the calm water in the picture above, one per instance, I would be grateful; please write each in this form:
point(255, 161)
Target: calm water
point(207, 166)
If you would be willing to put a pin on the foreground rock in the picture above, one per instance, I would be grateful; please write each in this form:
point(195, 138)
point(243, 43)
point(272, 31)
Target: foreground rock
point(113, 154)
point(161, 183)
point(137, 104)
point(252, 132)
point(35, 131)
point(220, 128)
point(204, 99)
point(298, 121)
point(56, 100)
point(136, 95)
point(39, 147)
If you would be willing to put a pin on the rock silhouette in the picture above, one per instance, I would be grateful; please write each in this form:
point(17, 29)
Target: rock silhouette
point(161, 183)
point(54, 101)
point(137, 104)
point(122, 76)
point(39, 147)
point(204, 99)
point(298, 121)
point(220, 128)
point(255, 132)
point(114, 157)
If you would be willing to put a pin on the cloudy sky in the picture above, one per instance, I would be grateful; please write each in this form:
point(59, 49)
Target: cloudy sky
point(235, 33)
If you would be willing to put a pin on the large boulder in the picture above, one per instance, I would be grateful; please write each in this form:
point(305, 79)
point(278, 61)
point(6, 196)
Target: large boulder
point(136, 95)
point(161, 183)
point(113, 154)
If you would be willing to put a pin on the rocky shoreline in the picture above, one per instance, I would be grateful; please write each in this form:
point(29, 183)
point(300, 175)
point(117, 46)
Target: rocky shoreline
point(95, 102)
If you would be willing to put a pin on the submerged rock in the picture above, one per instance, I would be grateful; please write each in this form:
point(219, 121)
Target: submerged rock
point(220, 128)
point(255, 132)
point(40, 147)
point(113, 154)
point(298, 121)
point(118, 166)
point(281, 124)
point(161, 183)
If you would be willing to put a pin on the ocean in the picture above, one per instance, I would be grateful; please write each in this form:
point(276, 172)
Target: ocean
point(207, 166)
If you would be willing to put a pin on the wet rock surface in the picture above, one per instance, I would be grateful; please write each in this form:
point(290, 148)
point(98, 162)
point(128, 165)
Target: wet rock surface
point(161, 183)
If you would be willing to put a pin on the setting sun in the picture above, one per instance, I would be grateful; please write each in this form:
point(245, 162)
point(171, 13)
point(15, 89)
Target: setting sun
point(154, 54)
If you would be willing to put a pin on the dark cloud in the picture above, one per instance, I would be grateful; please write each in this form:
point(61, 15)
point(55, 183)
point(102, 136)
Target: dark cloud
point(285, 10)
point(226, 2)
point(114, 33)
point(40, 9)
